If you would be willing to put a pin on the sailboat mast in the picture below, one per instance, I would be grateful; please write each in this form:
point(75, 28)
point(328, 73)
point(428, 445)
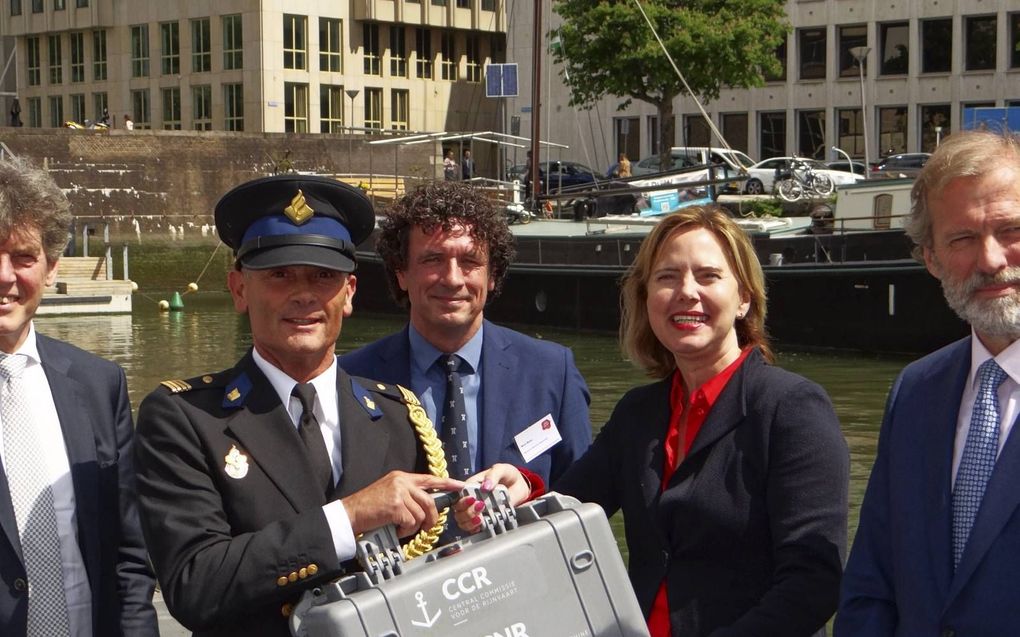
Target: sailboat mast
point(536, 101)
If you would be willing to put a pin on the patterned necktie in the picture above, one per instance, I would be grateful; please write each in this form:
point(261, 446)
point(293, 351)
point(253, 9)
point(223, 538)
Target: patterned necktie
point(311, 435)
point(32, 497)
point(454, 422)
point(979, 453)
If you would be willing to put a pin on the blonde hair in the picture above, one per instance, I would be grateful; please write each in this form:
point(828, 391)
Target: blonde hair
point(637, 340)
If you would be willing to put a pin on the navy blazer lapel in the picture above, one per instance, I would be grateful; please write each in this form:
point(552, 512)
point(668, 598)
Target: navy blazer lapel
point(729, 409)
point(499, 362)
point(357, 433)
point(655, 426)
point(267, 433)
point(939, 410)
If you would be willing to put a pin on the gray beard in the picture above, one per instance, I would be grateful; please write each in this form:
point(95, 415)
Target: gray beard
point(998, 317)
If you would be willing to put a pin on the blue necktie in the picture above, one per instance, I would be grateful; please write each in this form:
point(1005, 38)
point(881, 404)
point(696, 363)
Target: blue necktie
point(454, 420)
point(979, 453)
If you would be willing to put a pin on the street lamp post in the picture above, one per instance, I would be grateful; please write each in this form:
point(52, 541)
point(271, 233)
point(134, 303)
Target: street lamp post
point(860, 54)
point(351, 93)
point(938, 136)
point(849, 161)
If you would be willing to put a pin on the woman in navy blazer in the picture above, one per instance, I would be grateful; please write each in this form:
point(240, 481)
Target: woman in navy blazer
point(731, 473)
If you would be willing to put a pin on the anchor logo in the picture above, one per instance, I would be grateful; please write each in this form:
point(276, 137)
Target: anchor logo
point(429, 621)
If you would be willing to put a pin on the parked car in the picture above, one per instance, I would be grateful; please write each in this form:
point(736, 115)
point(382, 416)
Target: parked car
point(902, 165)
point(761, 176)
point(687, 156)
point(855, 166)
point(558, 174)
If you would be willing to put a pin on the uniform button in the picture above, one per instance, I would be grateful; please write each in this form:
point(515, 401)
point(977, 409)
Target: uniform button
point(292, 577)
point(312, 569)
point(287, 610)
point(302, 573)
point(282, 580)
point(20, 584)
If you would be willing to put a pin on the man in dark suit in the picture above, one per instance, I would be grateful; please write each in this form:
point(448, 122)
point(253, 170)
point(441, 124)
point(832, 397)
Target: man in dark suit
point(72, 560)
point(254, 481)
point(447, 248)
point(938, 545)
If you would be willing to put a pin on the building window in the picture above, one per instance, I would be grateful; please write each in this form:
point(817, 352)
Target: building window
point(201, 106)
point(781, 55)
point(140, 108)
point(295, 42)
point(628, 135)
point(78, 107)
point(772, 134)
point(330, 45)
point(812, 53)
point(170, 52)
point(100, 106)
point(735, 130)
point(811, 134)
point(34, 61)
point(56, 111)
point(936, 45)
point(448, 51)
point(232, 47)
point(894, 38)
point(892, 130)
point(488, 5)
point(81, 4)
point(373, 108)
point(423, 53)
point(372, 54)
point(77, 41)
point(935, 125)
point(696, 132)
point(233, 107)
point(398, 51)
point(140, 51)
point(849, 38)
point(850, 136)
point(56, 60)
point(295, 110)
point(980, 41)
point(99, 55)
point(15, 7)
point(201, 46)
point(331, 108)
point(1014, 40)
point(497, 48)
point(37, 7)
point(473, 51)
point(171, 108)
point(35, 112)
point(652, 126)
point(59, 5)
point(463, 4)
point(400, 109)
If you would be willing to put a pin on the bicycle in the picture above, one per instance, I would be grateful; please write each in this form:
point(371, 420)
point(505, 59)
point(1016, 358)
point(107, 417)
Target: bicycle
point(803, 180)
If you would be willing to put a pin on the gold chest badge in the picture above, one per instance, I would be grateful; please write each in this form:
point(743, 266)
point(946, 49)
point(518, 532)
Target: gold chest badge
point(236, 463)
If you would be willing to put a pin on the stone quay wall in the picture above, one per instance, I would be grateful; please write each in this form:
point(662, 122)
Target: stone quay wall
point(165, 184)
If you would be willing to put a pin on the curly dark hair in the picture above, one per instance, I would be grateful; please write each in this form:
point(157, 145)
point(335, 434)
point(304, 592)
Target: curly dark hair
point(441, 205)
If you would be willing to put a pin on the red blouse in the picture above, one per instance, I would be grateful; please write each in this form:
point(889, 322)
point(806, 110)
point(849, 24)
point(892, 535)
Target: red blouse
point(702, 400)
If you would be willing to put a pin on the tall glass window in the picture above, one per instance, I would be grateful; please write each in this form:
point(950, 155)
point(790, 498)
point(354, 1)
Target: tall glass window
point(473, 51)
point(448, 52)
point(398, 51)
point(892, 130)
point(201, 46)
point(423, 53)
point(1014, 40)
point(233, 107)
point(330, 45)
point(35, 112)
point(100, 105)
point(56, 111)
point(772, 134)
point(850, 133)
point(936, 45)
point(735, 130)
point(99, 72)
point(56, 60)
point(812, 53)
point(140, 51)
point(78, 107)
point(331, 108)
point(980, 34)
point(373, 108)
point(295, 42)
point(295, 107)
point(171, 108)
point(141, 108)
point(201, 106)
point(851, 37)
point(811, 134)
point(16, 10)
point(232, 42)
point(33, 61)
point(371, 48)
point(935, 125)
point(894, 56)
point(170, 51)
point(400, 107)
point(77, 41)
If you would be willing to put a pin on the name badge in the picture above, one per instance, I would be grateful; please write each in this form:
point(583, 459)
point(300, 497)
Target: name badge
point(538, 438)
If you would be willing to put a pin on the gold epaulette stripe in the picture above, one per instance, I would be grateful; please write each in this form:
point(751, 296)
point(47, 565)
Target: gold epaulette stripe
point(426, 538)
point(176, 386)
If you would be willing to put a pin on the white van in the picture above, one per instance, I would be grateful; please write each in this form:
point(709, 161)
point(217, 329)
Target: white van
point(685, 156)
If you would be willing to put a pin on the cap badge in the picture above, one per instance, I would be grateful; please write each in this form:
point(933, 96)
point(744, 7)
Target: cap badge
point(236, 463)
point(298, 211)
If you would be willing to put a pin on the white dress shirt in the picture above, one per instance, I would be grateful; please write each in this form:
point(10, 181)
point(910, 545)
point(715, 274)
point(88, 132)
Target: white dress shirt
point(51, 436)
point(1009, 395)
point(327, 412)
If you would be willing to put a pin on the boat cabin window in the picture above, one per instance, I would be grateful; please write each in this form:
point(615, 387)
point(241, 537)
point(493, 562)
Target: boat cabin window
point(882, 215)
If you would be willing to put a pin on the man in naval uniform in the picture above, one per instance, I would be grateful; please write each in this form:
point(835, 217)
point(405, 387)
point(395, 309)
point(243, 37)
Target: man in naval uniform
point(254, 481)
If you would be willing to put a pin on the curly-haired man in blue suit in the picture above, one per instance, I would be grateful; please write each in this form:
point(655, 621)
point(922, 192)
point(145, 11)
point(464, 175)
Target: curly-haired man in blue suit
point(447, 249)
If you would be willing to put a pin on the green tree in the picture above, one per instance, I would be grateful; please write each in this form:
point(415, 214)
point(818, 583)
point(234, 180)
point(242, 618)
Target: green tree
point(606, 48)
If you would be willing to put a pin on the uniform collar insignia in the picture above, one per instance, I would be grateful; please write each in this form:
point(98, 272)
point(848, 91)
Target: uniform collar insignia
point(366, 401)
point(236, 391)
